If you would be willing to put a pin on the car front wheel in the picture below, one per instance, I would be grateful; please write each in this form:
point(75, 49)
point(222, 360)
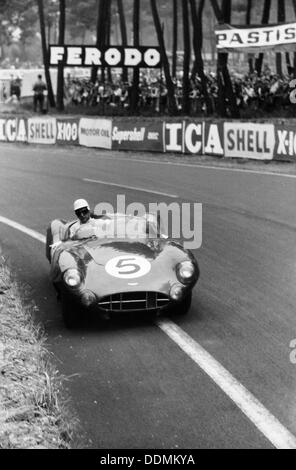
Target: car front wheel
point(183, 307)
point(69, 311)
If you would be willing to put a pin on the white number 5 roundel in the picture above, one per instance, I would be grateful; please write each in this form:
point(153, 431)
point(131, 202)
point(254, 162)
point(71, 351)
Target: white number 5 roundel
point(128, 266)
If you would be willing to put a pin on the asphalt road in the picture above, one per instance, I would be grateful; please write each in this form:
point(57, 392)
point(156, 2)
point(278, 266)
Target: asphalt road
point(131, 385)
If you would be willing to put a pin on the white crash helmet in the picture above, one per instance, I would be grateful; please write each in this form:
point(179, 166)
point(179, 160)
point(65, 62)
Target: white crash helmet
point(79, 204)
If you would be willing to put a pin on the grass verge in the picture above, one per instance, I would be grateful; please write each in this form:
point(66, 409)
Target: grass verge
point(33, 412)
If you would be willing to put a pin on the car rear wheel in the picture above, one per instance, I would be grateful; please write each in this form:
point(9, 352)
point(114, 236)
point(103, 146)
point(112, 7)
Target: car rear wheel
point(70, 313)
point(48, 243)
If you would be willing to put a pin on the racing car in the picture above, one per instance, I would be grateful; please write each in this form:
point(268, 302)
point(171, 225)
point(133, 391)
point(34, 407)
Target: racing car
point(125, 265)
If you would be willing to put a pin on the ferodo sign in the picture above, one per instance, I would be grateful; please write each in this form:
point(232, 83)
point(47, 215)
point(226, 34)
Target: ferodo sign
point(249, 140)
point(184, 137)
point(112, 56)
point(285, 148)
point(67, 131)
point(95, 133)
point(42, 130)
point(13, 130)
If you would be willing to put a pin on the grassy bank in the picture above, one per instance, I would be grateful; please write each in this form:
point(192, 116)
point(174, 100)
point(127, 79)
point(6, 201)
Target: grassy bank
point(33, 413)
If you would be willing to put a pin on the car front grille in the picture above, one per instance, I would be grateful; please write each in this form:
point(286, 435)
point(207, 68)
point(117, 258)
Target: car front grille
point(129, 301)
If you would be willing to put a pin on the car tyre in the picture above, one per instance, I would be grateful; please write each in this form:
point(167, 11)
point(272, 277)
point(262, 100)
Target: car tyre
point(70, 313)
point(183, 307)
point(49, 241)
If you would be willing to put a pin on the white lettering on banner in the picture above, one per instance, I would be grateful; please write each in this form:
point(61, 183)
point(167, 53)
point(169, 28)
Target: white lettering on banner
point(173, 129)
point(92, 56)
point(67, 131)
point(212, 144)
point(111, 56)
point(132, 57)
point(287, 143)
point(42, 130)
point(249, 140)
point(229, 37)
point(95, 133)
point(132, 136)
point(193, 138)
point(153, 135)
point(74, 55)
point(13, 130)
point(152, 57)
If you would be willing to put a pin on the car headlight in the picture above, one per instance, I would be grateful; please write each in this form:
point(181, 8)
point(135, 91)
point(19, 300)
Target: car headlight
point(177, 292)
point(72, 277)
point(186, 272)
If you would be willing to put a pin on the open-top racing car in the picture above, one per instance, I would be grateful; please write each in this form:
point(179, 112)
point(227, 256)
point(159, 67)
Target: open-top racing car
point(123, 265)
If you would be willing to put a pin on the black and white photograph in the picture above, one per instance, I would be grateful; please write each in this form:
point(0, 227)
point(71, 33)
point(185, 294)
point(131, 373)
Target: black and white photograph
point(147, 229)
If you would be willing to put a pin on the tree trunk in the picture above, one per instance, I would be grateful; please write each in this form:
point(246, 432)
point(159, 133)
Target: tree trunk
point(101, 28)
point(224, 81)
point(186, 61)
point(123, 35)
point(294, 61)
point(45, 54)
point(197, 45)
point(281, 16)
point(136, 71)
point(60, 84)
point(175, 37)
point(265, 20)
point(248, 22)
point(172, 106)
point(107, 41)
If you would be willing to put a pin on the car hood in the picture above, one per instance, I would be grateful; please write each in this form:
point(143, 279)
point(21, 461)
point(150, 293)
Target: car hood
point(122, 266)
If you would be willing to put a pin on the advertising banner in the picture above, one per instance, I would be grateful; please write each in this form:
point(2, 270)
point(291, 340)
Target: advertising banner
point(213, 139)
point(285, 143)
point(248, 39)
point(249, 140)
point(109, 56)
point(95, 133)
point(183, 137)
point(13, 130)
point(132, 135)
point(42, 130)
point(67, 131)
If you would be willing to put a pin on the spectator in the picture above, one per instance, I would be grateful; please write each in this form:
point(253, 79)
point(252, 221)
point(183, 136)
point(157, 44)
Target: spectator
point(39, 88)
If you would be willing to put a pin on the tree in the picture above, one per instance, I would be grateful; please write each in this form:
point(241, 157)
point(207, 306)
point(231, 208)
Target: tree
point(101, 34)
point(136, 41)
point(264, 21)
point(45, 54)
point(60, 84)
point(226, 94)
point(248, 22)
point(175, 37)
point(172, 106)
point(123, 34)
point(196, 16)
point(186, 60)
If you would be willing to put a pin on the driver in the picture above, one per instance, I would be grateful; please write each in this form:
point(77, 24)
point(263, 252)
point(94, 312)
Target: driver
point(85, 224)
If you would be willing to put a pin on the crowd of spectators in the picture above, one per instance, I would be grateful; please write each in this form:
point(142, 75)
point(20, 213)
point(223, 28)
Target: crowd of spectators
point(254, 94)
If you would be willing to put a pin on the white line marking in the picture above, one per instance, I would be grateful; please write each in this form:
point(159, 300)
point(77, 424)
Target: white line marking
point(272, 429)
point(22, 228)
point(130, 187)
point(267, 424)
